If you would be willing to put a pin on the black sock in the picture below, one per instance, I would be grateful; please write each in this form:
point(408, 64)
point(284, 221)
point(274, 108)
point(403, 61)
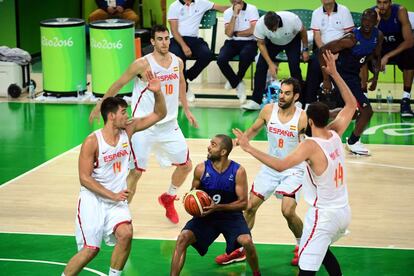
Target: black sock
point(353, 139)
point(331, 264)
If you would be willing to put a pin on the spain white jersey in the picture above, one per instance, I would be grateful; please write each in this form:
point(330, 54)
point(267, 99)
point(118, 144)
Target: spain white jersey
point(111, 167)
point(328, 190)
point(143, 101)
point(283, 137)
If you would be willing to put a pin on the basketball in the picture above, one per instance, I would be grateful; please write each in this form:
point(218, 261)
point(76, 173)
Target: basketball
point(195, 200)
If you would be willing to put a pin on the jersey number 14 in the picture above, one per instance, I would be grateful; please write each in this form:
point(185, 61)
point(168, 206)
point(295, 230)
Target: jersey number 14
point(339, 175)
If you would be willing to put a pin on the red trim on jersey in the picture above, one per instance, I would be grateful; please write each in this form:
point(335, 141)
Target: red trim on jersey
point(139, 99)
point(349, 28)
point(256, 193)
point(85, 244)
point(313, 231)
point(186, 161)
point(310, 176)
point(255, 20)
point(314, 29)
point(119, 223)
point(289, 194)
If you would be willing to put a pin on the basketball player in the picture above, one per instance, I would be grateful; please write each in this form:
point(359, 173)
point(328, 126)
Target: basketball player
point(326, 191)
point(355, 49)
point(225, 181)
point(103, 211)
point(165, 138)
point(284, 122)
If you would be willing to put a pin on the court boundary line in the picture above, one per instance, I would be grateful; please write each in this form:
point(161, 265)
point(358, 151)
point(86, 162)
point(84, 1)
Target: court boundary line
point(49, 262)
point(171, 239)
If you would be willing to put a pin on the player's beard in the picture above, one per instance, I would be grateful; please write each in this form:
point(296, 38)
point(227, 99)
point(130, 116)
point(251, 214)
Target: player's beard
point(286, 105)
point(308, 130)
point(212, 157)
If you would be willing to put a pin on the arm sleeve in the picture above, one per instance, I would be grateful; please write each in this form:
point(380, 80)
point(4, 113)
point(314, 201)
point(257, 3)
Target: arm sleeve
point(348, 21)
point(172, 12)
point(227, 15)
point(259, 29)
point(315, 21)
point(253, 14)
point(207, 5)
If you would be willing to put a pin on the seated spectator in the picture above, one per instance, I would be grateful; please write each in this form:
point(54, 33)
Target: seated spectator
point(239, 21)
point(398, 46)
point(114, 9)
point(184, 17)
point(354, 51)
point(329, 22)
point(276, 32)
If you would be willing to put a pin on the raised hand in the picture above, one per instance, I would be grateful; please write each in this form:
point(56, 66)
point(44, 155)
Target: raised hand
point(241, 138)
point(154, 84)
point(330, 67)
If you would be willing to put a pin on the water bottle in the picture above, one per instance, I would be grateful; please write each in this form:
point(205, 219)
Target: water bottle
point(31, 90)
point(378, 98)
point(389, 101)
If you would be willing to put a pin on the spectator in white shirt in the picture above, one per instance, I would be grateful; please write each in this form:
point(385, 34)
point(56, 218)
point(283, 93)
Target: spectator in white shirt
point(276, 32)
point(184, 17)
point(240, 20)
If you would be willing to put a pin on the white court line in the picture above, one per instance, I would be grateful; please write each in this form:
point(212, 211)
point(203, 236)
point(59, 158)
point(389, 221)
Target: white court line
point(38, 167)
point(49, 262)
point(173, 239)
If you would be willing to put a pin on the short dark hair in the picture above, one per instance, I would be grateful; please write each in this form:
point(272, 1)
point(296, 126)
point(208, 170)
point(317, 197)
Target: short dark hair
point(111, 105)
point(158, 28)
point(319, 113)
point(226, 142)
point(370, 13)
point(271, 20)
point(294, 82)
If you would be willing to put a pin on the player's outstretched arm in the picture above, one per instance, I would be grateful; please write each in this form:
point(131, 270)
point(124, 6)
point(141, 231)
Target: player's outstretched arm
point(344, 117)
point(160, 109)
point(134, 69)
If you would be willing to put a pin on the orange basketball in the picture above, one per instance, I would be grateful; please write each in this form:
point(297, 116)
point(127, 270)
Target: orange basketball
point(195, 200)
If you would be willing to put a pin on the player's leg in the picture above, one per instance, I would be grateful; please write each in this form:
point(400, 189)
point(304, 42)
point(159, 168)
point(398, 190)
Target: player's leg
point(141, 146)
point(80, 260)
point(89, 228)
point(294, 222)
point(123, 234)
point(251, 255)
point(255, 201)
point(172, 149)
point(184, 240)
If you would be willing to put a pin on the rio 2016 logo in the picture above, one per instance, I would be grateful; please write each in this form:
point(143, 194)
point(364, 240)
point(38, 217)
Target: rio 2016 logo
point(105, 44)
point(56, 42)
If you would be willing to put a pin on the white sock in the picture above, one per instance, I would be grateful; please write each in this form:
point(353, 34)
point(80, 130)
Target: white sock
point(172, 190)
point(298, 241)
point(114, 272)
point(63, 274)
point(406, 95)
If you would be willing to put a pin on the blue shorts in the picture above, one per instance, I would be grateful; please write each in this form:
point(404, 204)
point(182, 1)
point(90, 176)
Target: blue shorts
point(207, 229)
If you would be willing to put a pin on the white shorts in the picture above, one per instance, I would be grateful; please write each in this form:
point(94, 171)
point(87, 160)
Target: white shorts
point(165, 140)
point(322, 227)
point(97, 219)
point(269, 181)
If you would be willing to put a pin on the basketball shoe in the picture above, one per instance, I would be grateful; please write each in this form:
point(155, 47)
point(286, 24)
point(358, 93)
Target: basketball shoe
point(237, 255)
point(167, 201)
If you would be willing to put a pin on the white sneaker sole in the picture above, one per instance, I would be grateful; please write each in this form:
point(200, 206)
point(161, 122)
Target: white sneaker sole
point(234, 261)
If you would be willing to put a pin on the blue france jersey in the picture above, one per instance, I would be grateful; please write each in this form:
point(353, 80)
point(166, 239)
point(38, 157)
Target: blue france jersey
point(221, 187)
point(364, 46)
point(391, 28)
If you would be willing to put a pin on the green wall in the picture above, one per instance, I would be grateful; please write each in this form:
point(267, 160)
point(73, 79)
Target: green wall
point(7, 18)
